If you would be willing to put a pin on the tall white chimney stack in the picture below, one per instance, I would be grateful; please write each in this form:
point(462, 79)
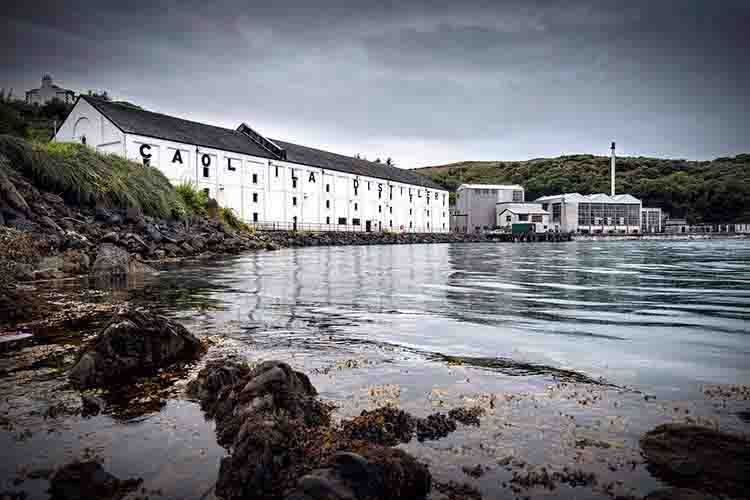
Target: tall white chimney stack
point(612, 170)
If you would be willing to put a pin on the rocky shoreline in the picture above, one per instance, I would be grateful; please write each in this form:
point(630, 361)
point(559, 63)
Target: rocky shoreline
point(282, 442)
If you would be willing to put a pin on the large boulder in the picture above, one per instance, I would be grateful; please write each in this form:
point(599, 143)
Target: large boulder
point(374, 473)
point(135, 342)
point(87, 480)
point(699, 458)
point(112, 260)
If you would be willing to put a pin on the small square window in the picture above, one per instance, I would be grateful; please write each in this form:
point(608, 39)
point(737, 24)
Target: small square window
point(355, 222)
point(342, 221)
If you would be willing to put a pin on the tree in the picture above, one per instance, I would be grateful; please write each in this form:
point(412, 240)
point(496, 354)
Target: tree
point(377, 160)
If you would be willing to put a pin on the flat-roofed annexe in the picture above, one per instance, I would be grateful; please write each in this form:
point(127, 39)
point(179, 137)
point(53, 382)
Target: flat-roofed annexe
point(263, 180)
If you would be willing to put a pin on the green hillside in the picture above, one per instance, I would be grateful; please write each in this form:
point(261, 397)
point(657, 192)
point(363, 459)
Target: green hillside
point(703, 191)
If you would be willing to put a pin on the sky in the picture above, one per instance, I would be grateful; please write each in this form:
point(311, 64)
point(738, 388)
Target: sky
point(425, 83)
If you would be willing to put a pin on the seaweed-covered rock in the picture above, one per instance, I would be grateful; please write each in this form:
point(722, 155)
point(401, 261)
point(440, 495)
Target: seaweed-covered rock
point(134, 342)
point(376, 473)
point(87, 480)
point(704, 459)
point(678, 494)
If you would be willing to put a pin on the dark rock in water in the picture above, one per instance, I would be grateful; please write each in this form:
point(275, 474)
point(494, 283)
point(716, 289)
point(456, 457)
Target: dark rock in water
point(678, 494)
point(115, 261)
point(467, 416)
point(376, 473)
point(91, 405)
point(213, 378)
point(135, 342)
point(88, 480)
point(435, 426)
point(704, 459)
point(386, 426)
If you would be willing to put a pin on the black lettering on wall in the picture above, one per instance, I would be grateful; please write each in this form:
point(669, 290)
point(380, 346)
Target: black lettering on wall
point(177, 158)
point(206, 160)
point(229, 165)
point(145, 154)
point(356, 186)
point(312, 177)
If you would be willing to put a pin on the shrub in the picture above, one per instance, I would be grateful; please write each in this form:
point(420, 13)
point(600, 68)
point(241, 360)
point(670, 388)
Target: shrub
point(229, 218)
point(192, 198)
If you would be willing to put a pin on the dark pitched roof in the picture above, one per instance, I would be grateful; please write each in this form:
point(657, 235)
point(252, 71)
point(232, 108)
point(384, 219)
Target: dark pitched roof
point(137, 121)
point(333, 161)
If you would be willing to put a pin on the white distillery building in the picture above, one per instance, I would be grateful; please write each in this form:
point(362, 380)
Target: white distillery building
point(594, 213)
point(49, 91)
point(650, 220)
point(476, 205)
point(529, 213)
point(267, 182)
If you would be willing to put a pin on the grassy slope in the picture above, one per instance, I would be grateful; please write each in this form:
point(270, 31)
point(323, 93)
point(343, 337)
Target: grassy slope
point(708, 191)
point(83, 176)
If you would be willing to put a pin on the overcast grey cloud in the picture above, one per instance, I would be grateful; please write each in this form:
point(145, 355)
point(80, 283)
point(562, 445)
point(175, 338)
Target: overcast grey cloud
point(423, 82)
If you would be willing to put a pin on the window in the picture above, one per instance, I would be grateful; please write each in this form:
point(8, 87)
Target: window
point(355, 222)
point(517, 196)
point(356, 206)
point(277, 171)
point(380, 209)
point(328, 203)
point(255, 197)
point(328, 220)
point(255, 216)
point(523, 217)
point(206, 172)
point(342, 221)
point(536, 218)
point(255, 178)
point(556, 211)
point(294, 201)
point(508, 218)
point(328, 188)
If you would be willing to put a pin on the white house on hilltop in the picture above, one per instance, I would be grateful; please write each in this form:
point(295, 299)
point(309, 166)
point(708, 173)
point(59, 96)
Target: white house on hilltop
point(267, 182)
point(47, 92)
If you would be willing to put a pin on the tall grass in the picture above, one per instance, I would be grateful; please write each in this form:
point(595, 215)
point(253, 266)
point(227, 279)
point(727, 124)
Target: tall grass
point(193, 199)
point(83, 176)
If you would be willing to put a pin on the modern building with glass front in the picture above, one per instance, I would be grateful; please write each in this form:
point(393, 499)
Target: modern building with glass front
point(593, 214)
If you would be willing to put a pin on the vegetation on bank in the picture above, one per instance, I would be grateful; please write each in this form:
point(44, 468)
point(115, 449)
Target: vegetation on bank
point(82, 176)
point(702, 191)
